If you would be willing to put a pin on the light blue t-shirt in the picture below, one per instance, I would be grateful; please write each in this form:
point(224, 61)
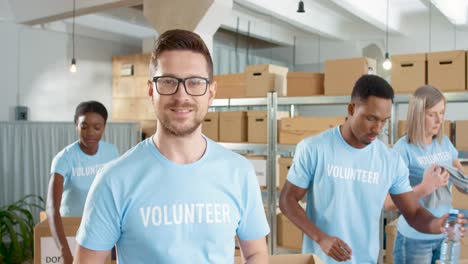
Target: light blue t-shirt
point(157, 211)
point(418, 159)
point(78, 170)
point(347, 187)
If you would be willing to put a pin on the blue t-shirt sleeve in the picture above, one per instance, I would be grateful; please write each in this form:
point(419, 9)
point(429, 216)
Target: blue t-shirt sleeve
point(61, 165)
point(253, 223)
point(400, 148)
point(453, 151)
point(400, 182)
point(302, 169)
point(100, 224)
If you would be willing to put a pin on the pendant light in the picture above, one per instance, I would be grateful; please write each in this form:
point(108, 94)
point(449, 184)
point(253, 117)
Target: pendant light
point(387, 63)
point(73, 61)
point(300, 7)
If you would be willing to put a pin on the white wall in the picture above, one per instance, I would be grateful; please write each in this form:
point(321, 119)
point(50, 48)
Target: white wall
point(35, 66)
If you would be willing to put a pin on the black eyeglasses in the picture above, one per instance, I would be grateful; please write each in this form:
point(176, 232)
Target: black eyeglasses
point(168, 85)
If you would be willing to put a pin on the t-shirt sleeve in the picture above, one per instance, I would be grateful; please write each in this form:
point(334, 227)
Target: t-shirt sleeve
point(302, 169)
point(253, 223)
point(100, 224)
point(61, 165)
point(453, 151)
point(400, 148)
point(115, 151)
point(400, 182)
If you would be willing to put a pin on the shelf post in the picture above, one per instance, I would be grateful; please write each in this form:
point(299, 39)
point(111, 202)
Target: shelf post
point(272, 105)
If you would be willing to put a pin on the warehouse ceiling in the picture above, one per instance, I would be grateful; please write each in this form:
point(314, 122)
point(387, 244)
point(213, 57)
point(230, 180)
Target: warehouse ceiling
point(334, 19)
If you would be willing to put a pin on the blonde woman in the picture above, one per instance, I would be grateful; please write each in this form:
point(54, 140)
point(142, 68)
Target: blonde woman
point(424, 149)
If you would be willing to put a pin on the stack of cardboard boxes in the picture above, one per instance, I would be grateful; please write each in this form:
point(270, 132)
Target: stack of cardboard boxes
point(130, 99)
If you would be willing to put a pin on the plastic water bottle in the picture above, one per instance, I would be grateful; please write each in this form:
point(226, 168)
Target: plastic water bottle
point(450, 250)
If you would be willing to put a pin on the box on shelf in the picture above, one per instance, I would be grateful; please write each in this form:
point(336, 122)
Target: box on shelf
point(132, 109)
point(402, 126)
point(408, 72)
point(259, 164)
point(263, 78)
point(284, 165)
point(130, 87)
point(288, 235)
point(292, 130)
point(131, 65)
point(390, 234)
point(210, 126)
point(461, 135)
point(446, 70)
point(289, 259)
point(45, 249)
point(230, 85)
point(305, 83)
point(233, 126)
point(258, 125)
point(341, 75)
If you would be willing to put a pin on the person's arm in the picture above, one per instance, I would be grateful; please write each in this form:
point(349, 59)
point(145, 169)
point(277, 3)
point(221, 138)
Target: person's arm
point(84, 255)
point(54, 199)
point(289, 205)
point(433, 178)
point(254, 251)
point(416, 215)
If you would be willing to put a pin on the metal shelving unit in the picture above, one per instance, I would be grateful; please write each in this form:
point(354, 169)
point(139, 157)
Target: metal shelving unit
point(271, 102)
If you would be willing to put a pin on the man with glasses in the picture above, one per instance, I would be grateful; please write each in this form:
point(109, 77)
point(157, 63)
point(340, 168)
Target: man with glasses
point(177, 197)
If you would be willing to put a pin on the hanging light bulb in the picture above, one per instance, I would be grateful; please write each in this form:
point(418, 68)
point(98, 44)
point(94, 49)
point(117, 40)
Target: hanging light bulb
point(73, 61)
point(387, 63)
point(300, 8)
point(73, 65)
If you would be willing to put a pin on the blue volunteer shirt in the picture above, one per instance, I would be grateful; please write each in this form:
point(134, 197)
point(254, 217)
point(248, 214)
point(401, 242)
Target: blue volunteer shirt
point(346, 190)
point(158, 211)
point(418, 159)
point(78, 170)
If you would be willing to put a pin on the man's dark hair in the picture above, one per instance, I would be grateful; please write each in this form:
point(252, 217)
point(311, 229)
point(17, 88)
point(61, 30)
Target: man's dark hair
point(371, 85)
point(91, 107)
point(179, 39)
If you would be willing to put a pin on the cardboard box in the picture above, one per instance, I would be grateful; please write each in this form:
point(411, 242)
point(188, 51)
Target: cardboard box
point(210, 126)
point(289, 259)
point(408, 72)
point(130, 87)
point(138, 64)
point(284, 165)
point(402, 126)
point(230, 85)
point(390, 232)
point(259, 164)
point(263, 78)
point(293, 130)
point(446, 70)
point(459, 200)
point(461, 135)
point(257, 128)
point(305, 84)
point(132, 109)
point(341, 75)
point(233, 126)
point(45, 249)
point(288, 235)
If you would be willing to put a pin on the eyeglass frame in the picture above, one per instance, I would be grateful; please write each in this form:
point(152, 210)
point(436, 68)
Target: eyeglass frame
point(179, 81)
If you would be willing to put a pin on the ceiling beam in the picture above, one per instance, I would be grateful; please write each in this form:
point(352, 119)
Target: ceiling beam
point(39, 12)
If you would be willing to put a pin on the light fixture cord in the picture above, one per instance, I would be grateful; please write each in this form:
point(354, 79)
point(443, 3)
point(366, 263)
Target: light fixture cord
point(430, 25)
point(73, 30)
point(386, 30)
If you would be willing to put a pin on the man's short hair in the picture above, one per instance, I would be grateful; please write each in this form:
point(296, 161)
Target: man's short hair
point(371, 85)
point(179, 39)
point(90, 107)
